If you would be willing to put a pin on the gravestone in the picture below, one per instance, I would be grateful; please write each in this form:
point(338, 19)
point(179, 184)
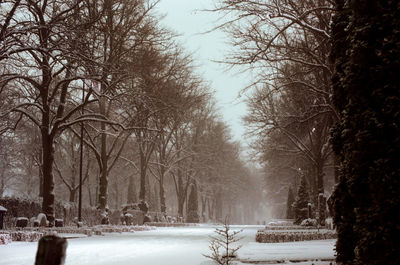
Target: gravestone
point(2, 213)
point(59, 222)
point(22, 222)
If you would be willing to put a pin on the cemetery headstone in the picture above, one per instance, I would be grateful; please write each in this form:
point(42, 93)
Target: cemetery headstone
point(2, 213)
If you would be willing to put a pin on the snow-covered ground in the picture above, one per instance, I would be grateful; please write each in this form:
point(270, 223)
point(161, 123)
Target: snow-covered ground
point(170, 246)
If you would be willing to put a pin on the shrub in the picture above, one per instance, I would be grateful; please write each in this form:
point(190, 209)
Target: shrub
point(281, 223)
point(27, 236)
point(268, 236)
point(5, 238)
point(309, 222)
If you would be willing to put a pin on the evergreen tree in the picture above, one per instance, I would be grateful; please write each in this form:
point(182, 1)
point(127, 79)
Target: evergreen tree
point(342, 203)
point(193, 205)
point(301, 203)
point(223, 250)
point(289, 204)
point(366, 52)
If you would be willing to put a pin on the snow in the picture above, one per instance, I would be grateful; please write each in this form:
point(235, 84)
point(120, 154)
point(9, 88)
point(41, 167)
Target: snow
point(168, 246)
point(288, 251)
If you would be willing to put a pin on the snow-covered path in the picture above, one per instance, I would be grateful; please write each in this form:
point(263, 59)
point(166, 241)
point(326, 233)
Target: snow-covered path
point(163, 246)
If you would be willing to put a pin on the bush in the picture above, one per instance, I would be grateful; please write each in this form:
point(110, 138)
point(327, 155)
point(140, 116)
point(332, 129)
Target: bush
point(26, 236)
point(5, 238)
point(291, 227)
point(309, 222)
point(281, 223)
point(268, 236)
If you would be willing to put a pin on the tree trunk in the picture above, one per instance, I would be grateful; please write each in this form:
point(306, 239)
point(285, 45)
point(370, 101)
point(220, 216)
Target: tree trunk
point(40, 169)
point(72, 195)
point(336, 165)
point(320, 178)
point(103, 182)
point(181, 195)
point(116, 195)
point(162, 155)
point(3, 184)
point(143, 169)
point(163, 207)
point(156, 200)
point(90, 194)
point(48, 178)
point(218, 206)
point(209, 207)
point(203, 208)
point(131, 198)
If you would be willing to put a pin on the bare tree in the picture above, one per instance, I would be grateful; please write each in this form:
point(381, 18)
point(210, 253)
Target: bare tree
point(42, 74)
point(286, 45)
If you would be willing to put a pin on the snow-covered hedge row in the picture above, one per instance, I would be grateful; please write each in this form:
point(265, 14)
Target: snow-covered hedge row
point(281, 222)
point(34, 234)
point(27, 236)
point(309, 222)
point(268, 236)
point(166, 224)
point(292, 227)
point(122, 228)
point(5, 238)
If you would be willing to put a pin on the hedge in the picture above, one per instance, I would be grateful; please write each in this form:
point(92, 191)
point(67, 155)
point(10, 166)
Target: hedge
point(269, 236)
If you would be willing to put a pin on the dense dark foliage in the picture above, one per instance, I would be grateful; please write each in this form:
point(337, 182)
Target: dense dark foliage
point(366, 53)
point(193, 206)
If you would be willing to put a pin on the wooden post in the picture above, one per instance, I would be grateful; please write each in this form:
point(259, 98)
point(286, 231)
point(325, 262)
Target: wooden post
point(51, 250)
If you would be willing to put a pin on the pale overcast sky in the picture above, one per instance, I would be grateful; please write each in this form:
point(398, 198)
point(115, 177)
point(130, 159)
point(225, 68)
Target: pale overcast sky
point(182, 17)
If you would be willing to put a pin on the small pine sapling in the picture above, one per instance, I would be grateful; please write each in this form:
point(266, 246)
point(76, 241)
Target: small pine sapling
point(221, 245)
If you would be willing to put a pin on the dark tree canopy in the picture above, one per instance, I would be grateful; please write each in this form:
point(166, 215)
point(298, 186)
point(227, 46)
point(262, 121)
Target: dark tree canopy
point(366, 86)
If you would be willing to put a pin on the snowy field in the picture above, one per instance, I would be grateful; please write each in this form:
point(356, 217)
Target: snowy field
point(172, 246)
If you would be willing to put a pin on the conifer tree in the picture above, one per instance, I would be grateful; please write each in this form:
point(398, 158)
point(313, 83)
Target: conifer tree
point(222, 245)
point(289, 204)
point(193, 205)
point(301, 203)
point(366, 90)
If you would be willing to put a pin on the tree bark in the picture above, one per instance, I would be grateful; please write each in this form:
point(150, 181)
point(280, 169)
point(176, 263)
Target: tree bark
point(143, 169)
point(163, 207)
point(103, 182)
point(180, 194)
point(131, 198)
point(72, 195)
point(48, 178)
